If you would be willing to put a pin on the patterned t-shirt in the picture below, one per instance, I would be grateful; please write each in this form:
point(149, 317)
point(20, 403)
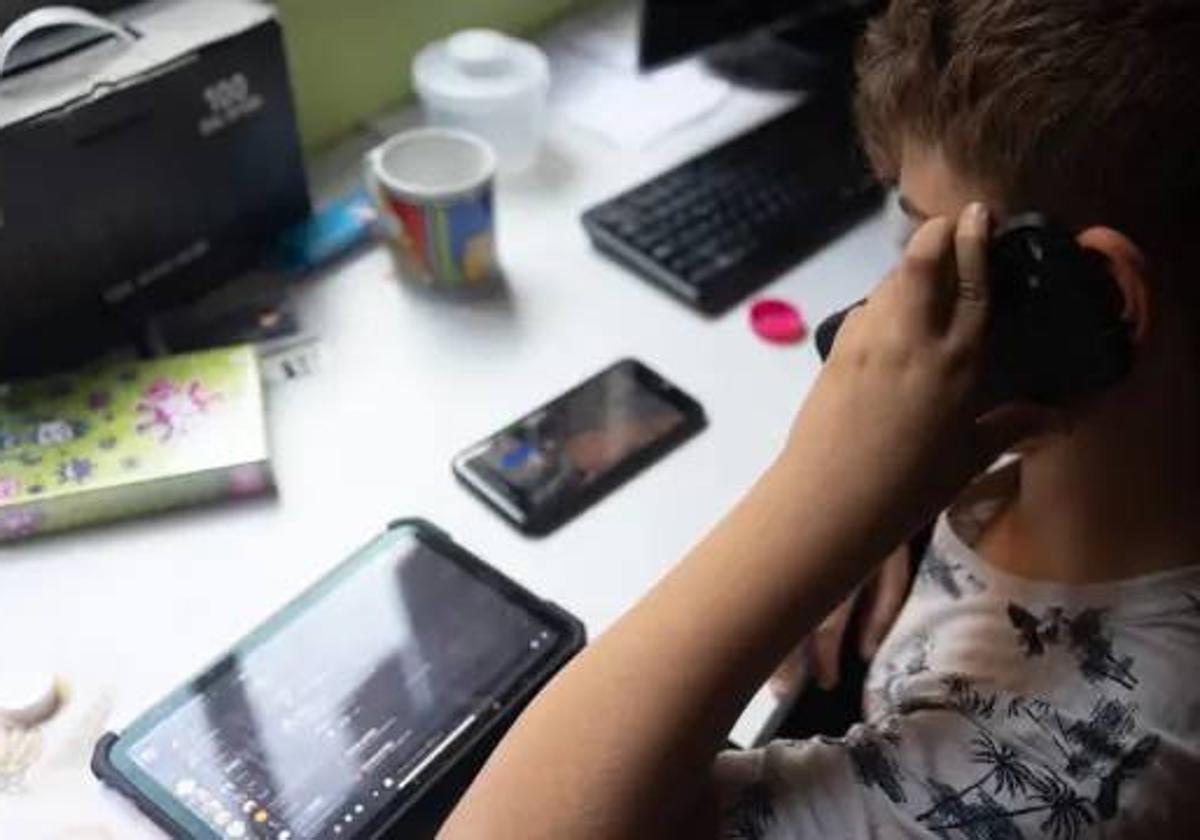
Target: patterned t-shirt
point(1001, 707)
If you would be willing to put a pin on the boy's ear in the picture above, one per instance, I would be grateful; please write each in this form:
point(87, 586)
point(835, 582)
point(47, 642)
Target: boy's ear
point(1127, 265)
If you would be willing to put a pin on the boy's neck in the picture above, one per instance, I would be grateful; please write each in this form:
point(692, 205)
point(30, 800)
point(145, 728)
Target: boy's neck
point(1101, 505)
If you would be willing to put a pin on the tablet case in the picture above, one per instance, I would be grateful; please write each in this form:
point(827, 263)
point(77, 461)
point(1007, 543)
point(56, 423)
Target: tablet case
point(439, 788)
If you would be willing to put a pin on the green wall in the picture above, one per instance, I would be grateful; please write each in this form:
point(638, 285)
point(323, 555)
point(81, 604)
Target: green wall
point(352, 58)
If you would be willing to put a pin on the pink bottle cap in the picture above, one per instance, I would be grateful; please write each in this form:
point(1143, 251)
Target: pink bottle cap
point(777, 321)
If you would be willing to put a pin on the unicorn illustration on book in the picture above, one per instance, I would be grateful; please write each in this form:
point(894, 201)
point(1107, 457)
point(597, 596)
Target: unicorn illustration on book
point(170, 409)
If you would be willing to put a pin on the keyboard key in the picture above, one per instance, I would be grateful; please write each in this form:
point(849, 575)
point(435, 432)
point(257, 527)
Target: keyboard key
point(663, 251)
point(703, 273)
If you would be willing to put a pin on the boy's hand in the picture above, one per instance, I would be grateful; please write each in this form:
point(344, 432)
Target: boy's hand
point(893, 426)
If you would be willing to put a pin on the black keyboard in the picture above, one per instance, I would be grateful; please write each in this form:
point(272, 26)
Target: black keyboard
point(724, 224)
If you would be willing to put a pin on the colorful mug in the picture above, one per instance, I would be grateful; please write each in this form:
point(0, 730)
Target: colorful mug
point(433, 188)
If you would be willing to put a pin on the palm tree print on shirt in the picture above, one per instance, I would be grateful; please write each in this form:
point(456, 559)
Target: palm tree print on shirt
point(966, 698)
point(1064, 811)
point(870, 755)
point(1085, 636)
point(1016, 790)
point(1098, 747)
point(1098, 750)
point(1098, 739)
point(1135, 759)
point(952, 578)
point(908, 660)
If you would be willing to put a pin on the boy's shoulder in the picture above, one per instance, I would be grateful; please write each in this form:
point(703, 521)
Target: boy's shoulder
point(1070, 644)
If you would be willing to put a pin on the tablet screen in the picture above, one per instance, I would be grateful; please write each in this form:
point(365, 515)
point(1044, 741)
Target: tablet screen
point(325, 716)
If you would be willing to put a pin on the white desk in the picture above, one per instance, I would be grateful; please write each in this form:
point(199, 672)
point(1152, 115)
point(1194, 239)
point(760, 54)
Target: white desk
point(406, 381)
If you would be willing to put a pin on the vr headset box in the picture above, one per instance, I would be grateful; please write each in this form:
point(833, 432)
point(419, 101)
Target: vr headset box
point(154, 162)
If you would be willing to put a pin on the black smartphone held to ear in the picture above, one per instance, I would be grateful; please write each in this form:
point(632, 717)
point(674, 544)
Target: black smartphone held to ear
point(1056, 330)
point(557, 460)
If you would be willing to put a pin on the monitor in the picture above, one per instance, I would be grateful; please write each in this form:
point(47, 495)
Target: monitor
point(788, 38)
point(673, 29)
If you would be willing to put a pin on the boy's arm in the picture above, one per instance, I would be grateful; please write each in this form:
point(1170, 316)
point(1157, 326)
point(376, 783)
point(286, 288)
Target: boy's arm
point(621, 743)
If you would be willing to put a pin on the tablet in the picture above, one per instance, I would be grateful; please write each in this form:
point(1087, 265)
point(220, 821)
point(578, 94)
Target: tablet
point(339, 713)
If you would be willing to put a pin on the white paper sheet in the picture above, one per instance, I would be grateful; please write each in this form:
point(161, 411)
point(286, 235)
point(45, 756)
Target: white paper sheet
point(630, 110)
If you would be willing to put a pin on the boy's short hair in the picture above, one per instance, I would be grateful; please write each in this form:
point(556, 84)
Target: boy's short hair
point(1086, 110)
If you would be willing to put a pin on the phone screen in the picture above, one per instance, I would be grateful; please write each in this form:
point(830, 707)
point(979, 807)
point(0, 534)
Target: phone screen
point(549, 463)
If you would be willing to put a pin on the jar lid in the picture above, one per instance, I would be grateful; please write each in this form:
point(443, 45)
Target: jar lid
point(28, 698)
point(479, 66)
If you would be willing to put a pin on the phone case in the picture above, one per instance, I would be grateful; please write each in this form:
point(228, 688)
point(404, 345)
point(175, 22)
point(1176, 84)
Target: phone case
point(696, 421)
point(439, 787)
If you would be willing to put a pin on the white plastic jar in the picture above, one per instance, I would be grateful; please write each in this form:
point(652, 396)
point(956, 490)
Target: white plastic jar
point(491, 85)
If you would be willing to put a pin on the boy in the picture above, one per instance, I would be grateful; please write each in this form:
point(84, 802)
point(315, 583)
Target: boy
point(1038, 681)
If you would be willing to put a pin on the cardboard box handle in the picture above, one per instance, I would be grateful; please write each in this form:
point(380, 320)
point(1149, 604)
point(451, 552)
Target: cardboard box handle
point(49, 17)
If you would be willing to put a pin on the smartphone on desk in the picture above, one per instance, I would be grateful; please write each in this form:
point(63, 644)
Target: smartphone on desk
point(561, 458)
